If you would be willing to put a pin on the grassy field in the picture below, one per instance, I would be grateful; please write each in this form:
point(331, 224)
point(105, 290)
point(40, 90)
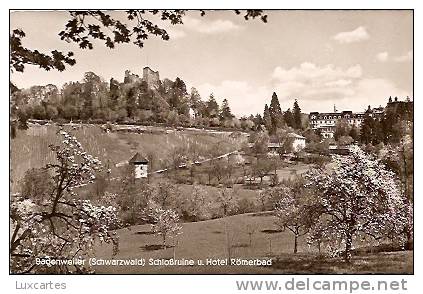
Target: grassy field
point(292, 171)
point(208, 239)
point(30, 148)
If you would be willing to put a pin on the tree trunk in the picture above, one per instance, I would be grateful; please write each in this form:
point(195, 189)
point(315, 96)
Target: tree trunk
point(348, 245)
point(175, 244)
point(228, 242)
point(295, 243)
point(409, 241)
point(270, 246)
point(192, 175)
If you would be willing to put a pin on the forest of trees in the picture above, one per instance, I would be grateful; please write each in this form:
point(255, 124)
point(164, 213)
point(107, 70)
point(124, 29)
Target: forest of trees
point(388, 128)
point(95, 100)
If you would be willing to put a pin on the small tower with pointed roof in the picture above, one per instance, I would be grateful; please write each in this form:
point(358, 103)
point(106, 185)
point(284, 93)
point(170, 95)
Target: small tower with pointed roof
point(140, 164)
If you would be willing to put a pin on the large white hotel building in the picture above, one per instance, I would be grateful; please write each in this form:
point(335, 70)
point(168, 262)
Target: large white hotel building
point(326, 122)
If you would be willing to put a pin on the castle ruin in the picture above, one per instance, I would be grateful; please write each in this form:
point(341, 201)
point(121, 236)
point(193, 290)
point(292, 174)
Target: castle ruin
point(151, 77)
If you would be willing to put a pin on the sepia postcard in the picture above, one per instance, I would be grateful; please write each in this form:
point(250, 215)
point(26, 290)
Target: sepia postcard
point(211, 142)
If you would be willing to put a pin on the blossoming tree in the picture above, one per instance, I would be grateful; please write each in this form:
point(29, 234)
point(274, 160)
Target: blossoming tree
point(295, 209)
point(61, 226)
point(400, 159)
point(359, 197)
point(165, 222)
point(227, 201)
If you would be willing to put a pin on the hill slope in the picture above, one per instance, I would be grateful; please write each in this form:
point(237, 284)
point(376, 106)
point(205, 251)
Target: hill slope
point(30, 147)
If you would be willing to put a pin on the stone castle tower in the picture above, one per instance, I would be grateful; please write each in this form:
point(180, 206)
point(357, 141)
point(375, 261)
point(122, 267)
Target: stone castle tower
point(151, 77)
point(131, 78)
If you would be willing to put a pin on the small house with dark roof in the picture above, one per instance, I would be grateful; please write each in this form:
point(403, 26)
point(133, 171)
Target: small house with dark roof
point(140, 164)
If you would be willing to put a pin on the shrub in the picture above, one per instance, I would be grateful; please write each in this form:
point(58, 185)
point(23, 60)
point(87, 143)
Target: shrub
point(195, 206)
point(244, 206)
point(36, 184)
point(319, 160)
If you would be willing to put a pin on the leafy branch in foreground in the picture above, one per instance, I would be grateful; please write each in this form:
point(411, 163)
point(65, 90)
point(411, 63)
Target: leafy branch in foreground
point(83, 27)
point(21, 56)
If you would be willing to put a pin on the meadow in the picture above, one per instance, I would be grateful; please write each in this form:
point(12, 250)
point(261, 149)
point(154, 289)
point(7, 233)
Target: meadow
point(213, 238)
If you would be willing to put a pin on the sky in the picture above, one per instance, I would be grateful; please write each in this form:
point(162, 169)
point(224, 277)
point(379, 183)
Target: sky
point(322, 58)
